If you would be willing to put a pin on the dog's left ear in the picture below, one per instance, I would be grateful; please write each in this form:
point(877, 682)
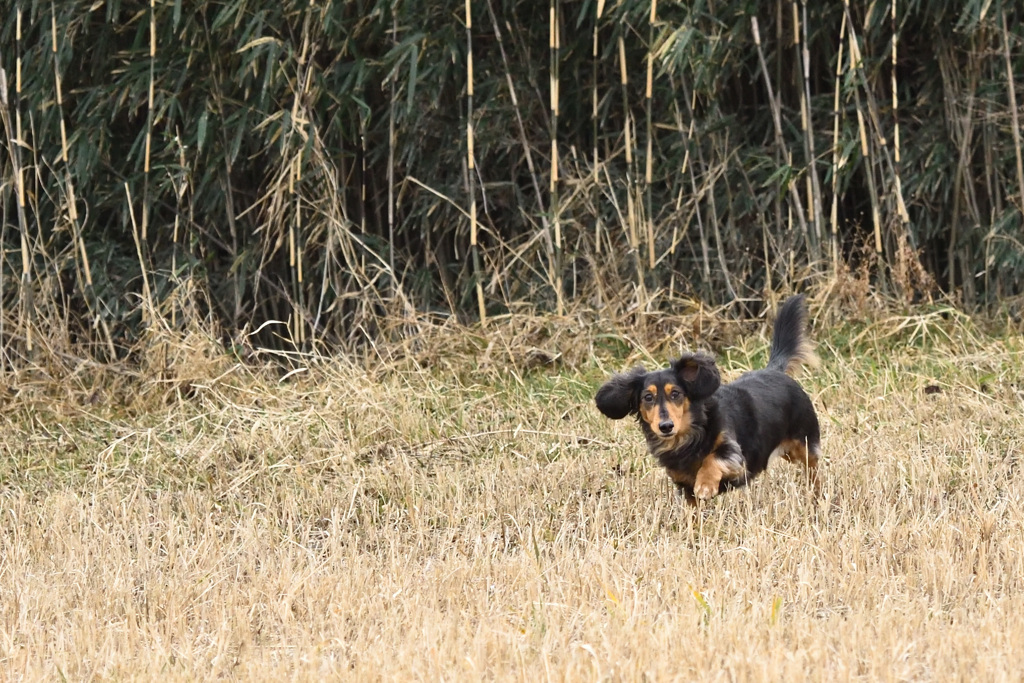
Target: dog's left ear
point(617, 398)
point(698, 374)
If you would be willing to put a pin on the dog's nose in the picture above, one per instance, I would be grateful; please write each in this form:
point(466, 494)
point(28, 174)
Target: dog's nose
point(666, 426)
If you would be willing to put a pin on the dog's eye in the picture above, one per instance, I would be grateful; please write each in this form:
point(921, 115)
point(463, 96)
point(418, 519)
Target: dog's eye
point(675, 395)
point(648, 398)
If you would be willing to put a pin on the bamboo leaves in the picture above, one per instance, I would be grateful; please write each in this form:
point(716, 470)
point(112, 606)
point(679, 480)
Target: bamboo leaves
point(334, 166)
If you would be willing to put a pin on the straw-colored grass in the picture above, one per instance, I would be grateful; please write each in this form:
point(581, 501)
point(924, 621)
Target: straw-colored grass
point(466, 513)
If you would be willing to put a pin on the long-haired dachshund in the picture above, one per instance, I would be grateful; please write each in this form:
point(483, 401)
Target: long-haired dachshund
point(711, 437)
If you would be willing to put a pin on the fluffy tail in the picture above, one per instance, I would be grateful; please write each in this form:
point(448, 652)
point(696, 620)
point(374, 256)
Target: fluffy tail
point(790, 347)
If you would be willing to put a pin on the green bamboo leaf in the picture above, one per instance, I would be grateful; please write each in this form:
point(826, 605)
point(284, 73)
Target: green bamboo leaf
point(414, 59)
point(201, 128)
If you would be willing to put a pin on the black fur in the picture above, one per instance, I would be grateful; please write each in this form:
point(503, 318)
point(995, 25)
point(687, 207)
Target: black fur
point(619, 396)
point(698, 374)
point(789, 340)
point(730, 430)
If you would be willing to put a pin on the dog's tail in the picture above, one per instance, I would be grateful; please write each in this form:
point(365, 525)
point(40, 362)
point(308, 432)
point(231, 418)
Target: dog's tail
point(790, 347)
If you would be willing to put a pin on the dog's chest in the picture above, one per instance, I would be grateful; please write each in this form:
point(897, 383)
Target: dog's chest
point(681, 454)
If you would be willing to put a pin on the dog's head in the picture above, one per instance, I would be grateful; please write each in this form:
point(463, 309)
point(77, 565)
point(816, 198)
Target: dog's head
point(665, 401)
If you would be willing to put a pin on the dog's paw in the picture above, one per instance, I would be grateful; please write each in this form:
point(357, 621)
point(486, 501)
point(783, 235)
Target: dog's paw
point(704, 490)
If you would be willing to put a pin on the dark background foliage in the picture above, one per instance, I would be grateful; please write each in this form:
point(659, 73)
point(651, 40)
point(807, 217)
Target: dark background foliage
point(308, 161)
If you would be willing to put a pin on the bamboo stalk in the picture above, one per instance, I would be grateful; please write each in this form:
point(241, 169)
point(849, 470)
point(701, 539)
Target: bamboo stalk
point(895, 91)
point(1014, 116)
point(5, 122)
point(777, 200)
point(80, 251)
point(363, 208)
point(471, 166)
point(716, 231)
point(705, 260)
point(631, 218)
point(148, 311)
point(884, 157)
point(295, 254)
point(683, 169)
point(554, 46)
point(27, 305)
point(593, 121)
point(901, 206)
point(593, 112)
point(856, 63)
point(869, 170)
point(813, 182)
point(795, 204)
point(963, 177)
point(391, 153)
point(993, 189)
point(296, 243)
point(804, 116)
point(527, 153)
point(690, 98)
point(649, 159)
point(149, 122)
point(179, 193)
point(836, 161)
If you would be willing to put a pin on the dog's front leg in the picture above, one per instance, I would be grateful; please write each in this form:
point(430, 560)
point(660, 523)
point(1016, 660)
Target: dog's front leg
point(709, 477)
point(684, 485)
point(725, 461)
point(686, 493)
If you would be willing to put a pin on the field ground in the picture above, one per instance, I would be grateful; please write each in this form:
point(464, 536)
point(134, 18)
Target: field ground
point(456, 509)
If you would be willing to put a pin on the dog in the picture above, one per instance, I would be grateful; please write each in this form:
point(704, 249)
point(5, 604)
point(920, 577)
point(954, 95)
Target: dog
point(711, 437)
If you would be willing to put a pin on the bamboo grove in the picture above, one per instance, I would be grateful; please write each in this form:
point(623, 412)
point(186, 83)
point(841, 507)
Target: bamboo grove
point(331, 164)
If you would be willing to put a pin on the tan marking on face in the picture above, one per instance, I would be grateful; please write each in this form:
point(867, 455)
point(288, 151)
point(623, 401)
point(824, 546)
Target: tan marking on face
point(649, 411)
point(678, 411)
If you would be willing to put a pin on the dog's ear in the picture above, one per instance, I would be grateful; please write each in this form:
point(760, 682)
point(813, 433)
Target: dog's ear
point(618, 397)
point(698, 374)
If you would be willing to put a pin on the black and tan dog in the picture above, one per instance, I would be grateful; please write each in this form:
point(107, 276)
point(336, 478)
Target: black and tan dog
point(712, 437)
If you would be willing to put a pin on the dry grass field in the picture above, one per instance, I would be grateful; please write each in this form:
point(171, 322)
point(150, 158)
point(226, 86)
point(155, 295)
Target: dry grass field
point(455, 508)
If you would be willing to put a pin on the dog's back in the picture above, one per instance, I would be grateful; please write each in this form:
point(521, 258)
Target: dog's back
point(768, 407)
